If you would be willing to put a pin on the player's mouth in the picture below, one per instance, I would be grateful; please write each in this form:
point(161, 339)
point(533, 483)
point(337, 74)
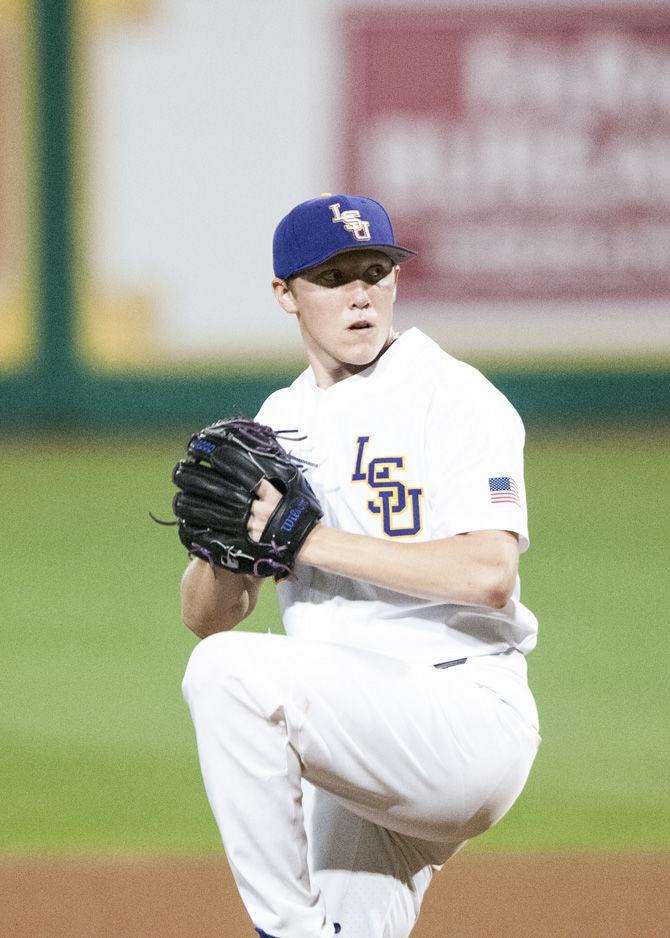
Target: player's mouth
point(360, 324)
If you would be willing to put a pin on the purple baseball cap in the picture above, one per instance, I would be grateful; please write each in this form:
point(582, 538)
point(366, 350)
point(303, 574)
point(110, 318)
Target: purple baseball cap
point(320, 228)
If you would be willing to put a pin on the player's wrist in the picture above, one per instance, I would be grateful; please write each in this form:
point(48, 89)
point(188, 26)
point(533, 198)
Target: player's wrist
point(312, 547)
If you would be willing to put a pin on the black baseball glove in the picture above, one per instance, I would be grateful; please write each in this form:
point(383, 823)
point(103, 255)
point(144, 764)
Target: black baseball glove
point(218, 480)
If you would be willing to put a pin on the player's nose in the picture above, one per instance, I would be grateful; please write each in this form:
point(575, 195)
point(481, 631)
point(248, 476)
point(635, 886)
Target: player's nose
point(358, 297)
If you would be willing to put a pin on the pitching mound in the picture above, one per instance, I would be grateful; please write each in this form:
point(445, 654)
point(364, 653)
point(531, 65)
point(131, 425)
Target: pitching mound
point(474, 897)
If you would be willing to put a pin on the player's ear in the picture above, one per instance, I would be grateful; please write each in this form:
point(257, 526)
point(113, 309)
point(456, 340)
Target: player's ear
point(396, 275)
point(284, 296)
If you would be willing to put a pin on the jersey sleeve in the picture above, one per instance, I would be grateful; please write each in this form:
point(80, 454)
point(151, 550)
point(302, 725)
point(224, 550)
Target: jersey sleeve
point(475, 441)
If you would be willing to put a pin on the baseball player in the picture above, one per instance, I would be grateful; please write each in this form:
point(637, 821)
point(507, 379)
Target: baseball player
point(346, 761)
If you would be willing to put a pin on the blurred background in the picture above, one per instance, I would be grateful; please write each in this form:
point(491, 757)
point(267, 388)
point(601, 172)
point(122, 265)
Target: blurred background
point(147, 150)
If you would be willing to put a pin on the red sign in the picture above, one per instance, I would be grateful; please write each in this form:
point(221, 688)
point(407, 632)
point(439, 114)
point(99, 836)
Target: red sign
point(524, 153)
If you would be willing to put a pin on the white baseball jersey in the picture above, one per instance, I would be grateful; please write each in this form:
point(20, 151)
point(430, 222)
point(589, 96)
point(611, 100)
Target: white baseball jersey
point(419, 446)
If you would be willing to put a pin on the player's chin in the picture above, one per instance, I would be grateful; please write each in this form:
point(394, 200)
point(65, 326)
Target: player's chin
point(364, 345)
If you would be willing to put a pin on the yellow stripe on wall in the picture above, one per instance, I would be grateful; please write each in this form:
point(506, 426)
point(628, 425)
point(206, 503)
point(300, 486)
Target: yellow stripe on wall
point(113, 11)
point(18, 162)
point(117, 331)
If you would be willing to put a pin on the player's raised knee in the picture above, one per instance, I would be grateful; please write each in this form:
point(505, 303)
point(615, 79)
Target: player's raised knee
point(210, 660)
point(225, 655)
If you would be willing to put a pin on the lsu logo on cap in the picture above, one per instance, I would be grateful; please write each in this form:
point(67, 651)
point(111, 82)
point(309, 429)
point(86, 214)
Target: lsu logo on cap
point(352, 221)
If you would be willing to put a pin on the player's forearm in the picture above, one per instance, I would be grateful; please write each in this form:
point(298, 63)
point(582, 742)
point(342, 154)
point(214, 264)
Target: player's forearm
point(478, 568)
point(214, 599)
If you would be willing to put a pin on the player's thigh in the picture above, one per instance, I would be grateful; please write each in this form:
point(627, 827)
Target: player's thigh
point(425, 752)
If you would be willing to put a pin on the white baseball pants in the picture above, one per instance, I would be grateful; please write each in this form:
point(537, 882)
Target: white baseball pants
point(341, 778)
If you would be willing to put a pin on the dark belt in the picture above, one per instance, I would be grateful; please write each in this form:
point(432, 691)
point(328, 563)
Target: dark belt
point(450, 664)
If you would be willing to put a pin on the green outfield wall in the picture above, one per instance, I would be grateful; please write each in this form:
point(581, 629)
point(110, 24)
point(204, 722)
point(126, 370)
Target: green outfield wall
point(53, 386)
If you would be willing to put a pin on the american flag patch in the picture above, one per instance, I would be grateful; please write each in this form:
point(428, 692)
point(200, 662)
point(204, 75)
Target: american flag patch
point(504, 489)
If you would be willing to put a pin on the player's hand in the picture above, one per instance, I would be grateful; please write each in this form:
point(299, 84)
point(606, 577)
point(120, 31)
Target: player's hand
point(266, 500)
point(226, 516)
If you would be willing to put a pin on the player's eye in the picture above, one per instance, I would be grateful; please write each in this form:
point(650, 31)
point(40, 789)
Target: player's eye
point(376, 272)
point(332, 277)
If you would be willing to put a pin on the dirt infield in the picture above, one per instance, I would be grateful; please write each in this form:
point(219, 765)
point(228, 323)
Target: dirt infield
point(497, 897)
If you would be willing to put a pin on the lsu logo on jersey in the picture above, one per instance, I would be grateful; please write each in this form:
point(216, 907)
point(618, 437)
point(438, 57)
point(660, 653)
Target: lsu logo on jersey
point(352, 221)
point(398, 505)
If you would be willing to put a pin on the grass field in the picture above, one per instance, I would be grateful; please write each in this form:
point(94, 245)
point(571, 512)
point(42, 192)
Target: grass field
point(98, 751)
